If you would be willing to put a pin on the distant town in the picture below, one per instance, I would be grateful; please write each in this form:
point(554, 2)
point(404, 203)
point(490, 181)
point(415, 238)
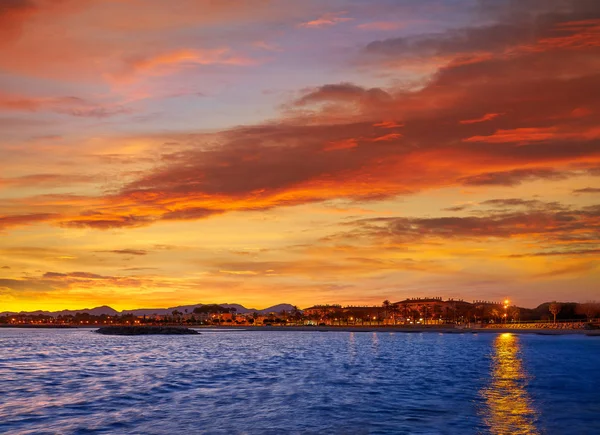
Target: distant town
point(407, 312)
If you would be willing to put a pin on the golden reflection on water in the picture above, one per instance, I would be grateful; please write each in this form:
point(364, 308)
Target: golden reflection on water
point(509, 409)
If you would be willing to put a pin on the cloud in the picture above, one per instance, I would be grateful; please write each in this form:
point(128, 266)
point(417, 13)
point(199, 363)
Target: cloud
point(329, 142)
point(73, 106)
point(565, 252)
point(563, 24)
point(74, 285)
point(127, 251)
point(387, 137)
point(388, 124)
point(528, 135)
point(343, 92)
point(104, 38)
point(54, 275)
point(457, 208)
point(83, 275)
point(520, 202)
point(326, 20)
point(106, 221)
point(46, 180)
point(13, 13)
point(172, 61)
point(587, 190)
point(341, 145)
point(324, 269)
point(99, 112)
point(25, 219)
point(268, 46)
point(381, 25)
point(23, 285)
point(484, 118)
point(576, 270)
point(545, 222)
point(454, 42)
point(514, 177)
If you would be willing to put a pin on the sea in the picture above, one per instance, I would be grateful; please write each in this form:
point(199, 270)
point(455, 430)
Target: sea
point(73, 381)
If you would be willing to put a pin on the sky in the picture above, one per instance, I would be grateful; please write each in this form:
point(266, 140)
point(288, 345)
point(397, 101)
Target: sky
point(159, 153)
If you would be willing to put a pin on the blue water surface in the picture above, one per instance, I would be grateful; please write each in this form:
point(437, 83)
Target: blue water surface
point(280, 382)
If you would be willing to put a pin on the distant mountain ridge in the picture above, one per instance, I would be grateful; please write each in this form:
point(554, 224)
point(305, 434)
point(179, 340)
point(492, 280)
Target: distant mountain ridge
point(108, 311)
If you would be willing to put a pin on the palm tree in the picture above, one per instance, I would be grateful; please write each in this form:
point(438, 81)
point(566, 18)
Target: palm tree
point(589, 309)
point(324, 313)
point(479, 313)
point(415, 314)
point(446, 311)
point(514, 313)
point(406, 311)
point(296, 313)
point(495, 313)
point(437, 311)
point(176, 315)
point(386, 308)
point(395, 310)
point(424, 310)
point(554, 308)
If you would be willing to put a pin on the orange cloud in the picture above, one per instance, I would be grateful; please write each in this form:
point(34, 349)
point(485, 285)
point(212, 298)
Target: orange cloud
point(32, 33)
point(282, 163)
point(26, 219)
point(173, 61)
point(387, 137)
point(45, 180)
point(548, 223)
point(13, 13)
point(575, 35)
point(519, 135)
point(337, 146)
point(341, 145)
point(527, 135)
point(198, 57)
point(388, 124)
point(73, 106)
point(486, 117)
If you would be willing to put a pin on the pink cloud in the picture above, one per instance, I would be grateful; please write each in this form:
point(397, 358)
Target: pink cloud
point(173, 61)
point(74, 106)
point(329, 19)
point(381, 25)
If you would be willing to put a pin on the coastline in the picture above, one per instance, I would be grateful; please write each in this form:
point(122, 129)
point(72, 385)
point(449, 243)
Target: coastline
point(389, 329)
point(407, 330)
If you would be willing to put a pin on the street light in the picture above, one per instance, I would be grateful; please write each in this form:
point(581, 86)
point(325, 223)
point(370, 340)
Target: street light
point(506, 302)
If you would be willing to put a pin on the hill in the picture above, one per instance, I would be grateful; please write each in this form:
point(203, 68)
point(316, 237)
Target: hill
point(106, 310)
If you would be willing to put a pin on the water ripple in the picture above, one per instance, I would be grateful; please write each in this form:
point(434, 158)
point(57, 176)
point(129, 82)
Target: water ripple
point(76, 382)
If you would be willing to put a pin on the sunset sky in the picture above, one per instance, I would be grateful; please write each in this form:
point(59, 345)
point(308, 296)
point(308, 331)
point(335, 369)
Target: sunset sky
point(158, 153)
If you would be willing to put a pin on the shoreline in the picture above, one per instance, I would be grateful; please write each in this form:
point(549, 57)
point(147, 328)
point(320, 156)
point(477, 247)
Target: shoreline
point(407, 330)
point(390, 329)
